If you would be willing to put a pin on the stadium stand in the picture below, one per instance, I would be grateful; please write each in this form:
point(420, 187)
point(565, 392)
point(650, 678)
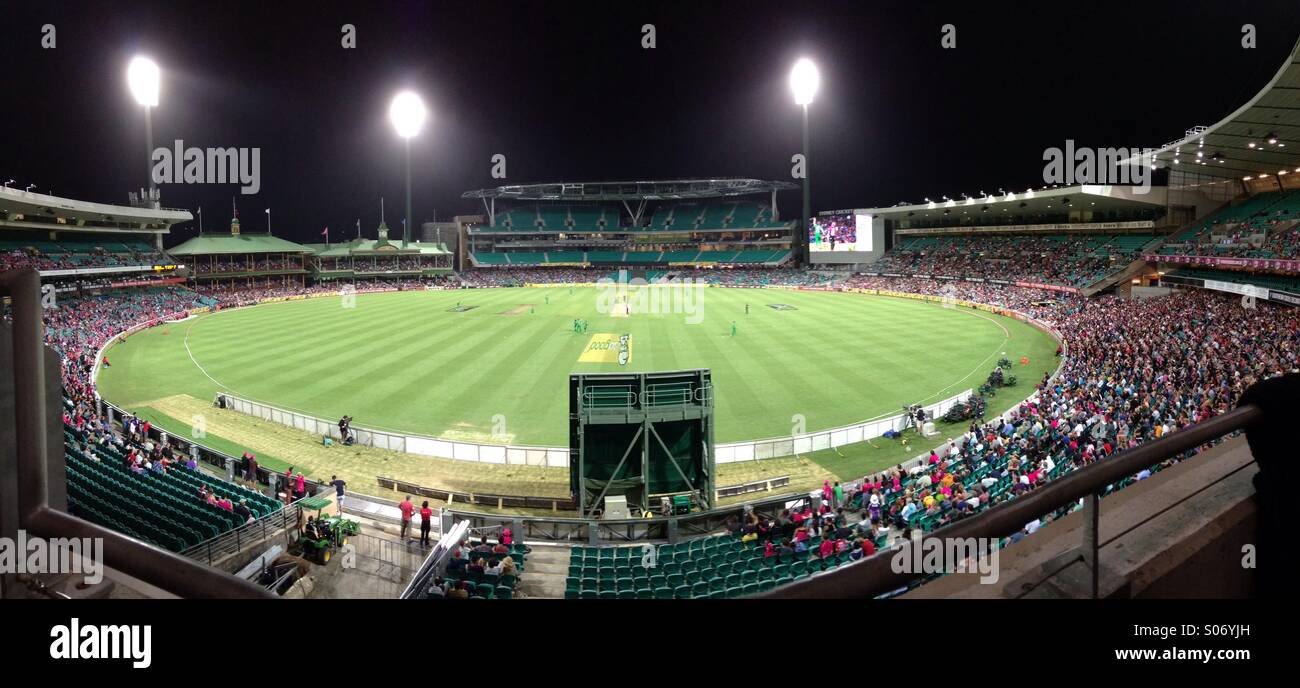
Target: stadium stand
point(118, 477)
point(484, 571)
point(1137, 369)
point(1261, 226)
point(1289, 283)
point(1066, 260)
point(167, 507)
point(67, 255)
point(717, 566)
point(565, 257)
point(667, 225)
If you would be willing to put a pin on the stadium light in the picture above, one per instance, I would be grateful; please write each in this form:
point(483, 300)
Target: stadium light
point(804, 81)
point(407, 114)
point(143, 78)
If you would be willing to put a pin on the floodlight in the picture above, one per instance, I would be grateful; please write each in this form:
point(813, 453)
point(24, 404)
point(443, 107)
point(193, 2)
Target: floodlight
point(804, 80)
point(142, 77)
point(407, 114)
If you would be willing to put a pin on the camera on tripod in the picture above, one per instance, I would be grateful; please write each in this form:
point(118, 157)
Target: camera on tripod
point(913, 415)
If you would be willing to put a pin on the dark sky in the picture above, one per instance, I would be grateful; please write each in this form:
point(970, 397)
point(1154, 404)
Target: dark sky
point(566, 92)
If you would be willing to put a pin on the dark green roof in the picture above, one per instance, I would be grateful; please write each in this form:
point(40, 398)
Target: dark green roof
point(209, 244)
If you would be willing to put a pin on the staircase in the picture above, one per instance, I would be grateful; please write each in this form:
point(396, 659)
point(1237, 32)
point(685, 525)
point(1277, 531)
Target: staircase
point(547, 568)
point(1134, 268)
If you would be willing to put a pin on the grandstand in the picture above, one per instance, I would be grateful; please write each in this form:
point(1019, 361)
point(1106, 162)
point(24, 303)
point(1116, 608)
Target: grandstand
point(684, 223)
point(239, 260)
point(73, 242)
point(369, 259)
point(1072, 238)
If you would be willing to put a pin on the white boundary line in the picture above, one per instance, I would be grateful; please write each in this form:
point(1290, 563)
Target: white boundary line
point(195, 361)
point(1006, 337)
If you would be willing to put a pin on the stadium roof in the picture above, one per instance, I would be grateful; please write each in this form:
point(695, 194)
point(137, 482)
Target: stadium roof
point(209, 244)
point(377, 247)
point(1238, 146)
point(631, 191)
point(1096, 198)
point(42, 211)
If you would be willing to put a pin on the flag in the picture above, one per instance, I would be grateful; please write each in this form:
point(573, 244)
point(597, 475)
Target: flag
point(326, 232)
point(268, 211)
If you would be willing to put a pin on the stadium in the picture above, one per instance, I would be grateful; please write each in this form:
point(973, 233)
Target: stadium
point(681, 387)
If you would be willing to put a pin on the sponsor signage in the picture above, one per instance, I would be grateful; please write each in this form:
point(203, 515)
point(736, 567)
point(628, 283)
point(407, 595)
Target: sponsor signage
point(1002, 229)
point(148, 283)
point(98, 271)
point(1284, 297)
point(1227, 262)
point(608, 348)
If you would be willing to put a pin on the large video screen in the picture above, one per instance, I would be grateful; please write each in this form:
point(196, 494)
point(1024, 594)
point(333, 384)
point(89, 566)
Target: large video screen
point(845, 232)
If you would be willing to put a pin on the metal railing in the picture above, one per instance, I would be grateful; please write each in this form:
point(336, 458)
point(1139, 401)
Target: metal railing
point(632, 530)
point(875, 575)
point(37, 400)
point(435, 562)
point(233, 542)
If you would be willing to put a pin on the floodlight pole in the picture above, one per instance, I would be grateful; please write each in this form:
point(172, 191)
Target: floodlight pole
point(148, 150)
point(406, 228)
point(807, 195)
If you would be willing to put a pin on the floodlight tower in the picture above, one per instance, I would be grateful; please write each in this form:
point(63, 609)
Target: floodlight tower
point(804, 81)
point(143, 77)
point(407, 114)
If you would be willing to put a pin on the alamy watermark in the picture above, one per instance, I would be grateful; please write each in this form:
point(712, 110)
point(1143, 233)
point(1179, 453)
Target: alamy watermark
point(192, 165)
point(930, 556)
point(75, 640)
point(1073, 165)
point(636, 296)
point(40, 556)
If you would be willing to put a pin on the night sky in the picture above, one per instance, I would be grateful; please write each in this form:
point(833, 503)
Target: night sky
point(567, 93)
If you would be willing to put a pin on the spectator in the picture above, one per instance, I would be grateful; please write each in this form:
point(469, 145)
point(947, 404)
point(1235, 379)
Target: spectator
point(338, 491)
point(426, 521)
point(407, 509)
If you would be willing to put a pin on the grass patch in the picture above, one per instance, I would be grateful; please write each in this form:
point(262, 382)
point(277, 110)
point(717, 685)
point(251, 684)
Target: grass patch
point(360, 465)
point(209, 440)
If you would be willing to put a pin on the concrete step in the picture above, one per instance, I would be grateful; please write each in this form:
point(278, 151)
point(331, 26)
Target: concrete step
point(548, 569)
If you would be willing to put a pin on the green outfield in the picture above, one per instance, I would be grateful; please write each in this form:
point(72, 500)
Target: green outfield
point(492, 365)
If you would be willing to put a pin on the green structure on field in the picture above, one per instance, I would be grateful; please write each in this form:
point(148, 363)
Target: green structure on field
point(641, 434)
